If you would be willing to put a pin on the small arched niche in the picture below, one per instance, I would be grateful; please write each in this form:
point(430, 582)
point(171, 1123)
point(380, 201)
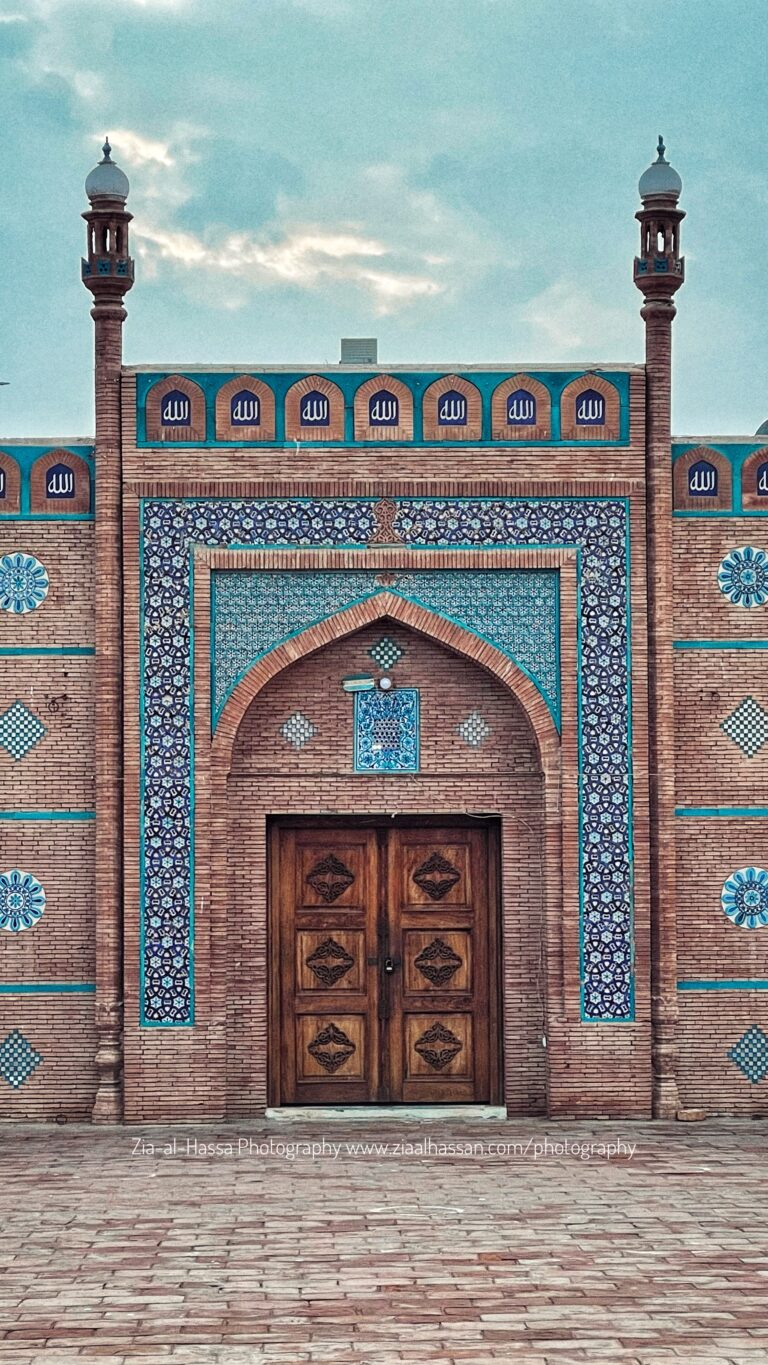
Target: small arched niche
point(175, 410)
point(701, 481)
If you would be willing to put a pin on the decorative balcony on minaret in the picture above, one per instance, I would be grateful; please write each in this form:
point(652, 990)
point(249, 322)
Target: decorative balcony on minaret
point(108, 268)
point(660, 269)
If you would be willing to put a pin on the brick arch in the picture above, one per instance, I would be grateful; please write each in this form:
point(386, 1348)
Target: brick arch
point(418, 618)
point(750, 498)
point(433, 429)
point(294, 430)
point(610, 430)
point(404, 430)
point(38, 501)
point(263, 430)
point(195, 428)
point(540, 430)
point(683, 501)
point(11, 501)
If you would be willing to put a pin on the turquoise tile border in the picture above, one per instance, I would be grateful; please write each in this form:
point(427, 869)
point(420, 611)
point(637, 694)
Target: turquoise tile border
point(715, 812)
point(720, 644)
point(47, 815)
point(32, 650)
point(757, 984)
point(48, 988)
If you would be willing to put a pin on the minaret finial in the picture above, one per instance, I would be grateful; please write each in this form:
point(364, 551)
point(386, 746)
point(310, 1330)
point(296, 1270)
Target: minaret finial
point(106, 149)
point(661, 149)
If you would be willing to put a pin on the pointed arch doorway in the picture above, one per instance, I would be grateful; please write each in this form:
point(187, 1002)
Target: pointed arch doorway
point(385, 961)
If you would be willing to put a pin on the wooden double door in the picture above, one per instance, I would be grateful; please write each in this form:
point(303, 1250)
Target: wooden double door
point(384, 963)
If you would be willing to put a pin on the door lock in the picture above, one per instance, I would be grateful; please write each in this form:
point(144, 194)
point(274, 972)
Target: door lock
point(389, 965)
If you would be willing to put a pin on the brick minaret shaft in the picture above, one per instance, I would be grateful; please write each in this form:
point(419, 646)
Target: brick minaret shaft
point(658, 273)
point(108, 273)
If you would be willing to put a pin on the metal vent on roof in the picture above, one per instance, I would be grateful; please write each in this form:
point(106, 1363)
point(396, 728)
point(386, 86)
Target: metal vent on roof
point(359, 351)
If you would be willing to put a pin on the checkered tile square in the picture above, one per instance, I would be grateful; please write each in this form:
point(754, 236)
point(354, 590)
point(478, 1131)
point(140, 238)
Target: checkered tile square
point(20, 730)
point(751, 1054)
point(747, 726)
point(18, 1059)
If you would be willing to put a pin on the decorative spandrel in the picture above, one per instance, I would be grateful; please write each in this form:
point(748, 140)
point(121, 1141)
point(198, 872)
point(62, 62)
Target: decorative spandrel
point(331, 1048)
point(436, 876)
point(438, 962)
point(330, 962)
point(438, 1046)
point(330, 878)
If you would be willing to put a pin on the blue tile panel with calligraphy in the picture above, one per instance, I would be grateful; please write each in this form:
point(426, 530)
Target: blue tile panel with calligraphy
point(387, 731)
point(597, 527)
point(383, 407)
point(516, 610)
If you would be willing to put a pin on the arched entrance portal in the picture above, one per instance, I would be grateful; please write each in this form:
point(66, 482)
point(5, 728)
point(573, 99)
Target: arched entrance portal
point(383, 933)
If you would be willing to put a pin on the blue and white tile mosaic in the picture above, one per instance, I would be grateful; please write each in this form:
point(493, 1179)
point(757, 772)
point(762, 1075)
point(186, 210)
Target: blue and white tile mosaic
point(474, 729)
point(23, 582)
point(747, 726)
point(386, 652)
point(745, 897)
point(751, 1054)
point(743, 577)
point(597, 527)
point(18, 1059)
point(298, 730)
point(20, 730)
point(22, 900)
point(517, 610)
point(387, 731)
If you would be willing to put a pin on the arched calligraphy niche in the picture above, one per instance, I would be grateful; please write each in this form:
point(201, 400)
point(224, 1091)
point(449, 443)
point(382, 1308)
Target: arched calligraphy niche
point(701, 481)
point(245, 410)
point(590, 410)
point(60, 483)
point(521, 410)
point(754, 481)
point(175, 410)
point(314, 410)
point(10, 484)
point(452, 410)
point(383, 410)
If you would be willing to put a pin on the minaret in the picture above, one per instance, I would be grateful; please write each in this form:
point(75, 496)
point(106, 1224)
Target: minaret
point(659, 272)
point(108, 272)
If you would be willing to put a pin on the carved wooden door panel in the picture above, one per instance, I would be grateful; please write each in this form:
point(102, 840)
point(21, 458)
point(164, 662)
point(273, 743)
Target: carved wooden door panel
point(383, 978)
point(441, 950)
point(328, 966)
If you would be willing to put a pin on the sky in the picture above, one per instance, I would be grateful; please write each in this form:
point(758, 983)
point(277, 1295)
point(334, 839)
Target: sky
point(455, 177)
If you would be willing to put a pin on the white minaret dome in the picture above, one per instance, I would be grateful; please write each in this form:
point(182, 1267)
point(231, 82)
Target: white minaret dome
point(107, 181)
point(660, 178)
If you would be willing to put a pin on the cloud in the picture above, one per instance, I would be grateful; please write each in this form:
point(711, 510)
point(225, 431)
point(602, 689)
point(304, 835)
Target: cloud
point(565, 317)
point(305, 258)
point(139, 150)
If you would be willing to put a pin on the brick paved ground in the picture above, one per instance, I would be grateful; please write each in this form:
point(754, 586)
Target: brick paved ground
point(194, 1259)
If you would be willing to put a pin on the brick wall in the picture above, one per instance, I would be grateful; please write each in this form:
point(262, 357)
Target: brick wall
point(718, 779)
point(52, 778)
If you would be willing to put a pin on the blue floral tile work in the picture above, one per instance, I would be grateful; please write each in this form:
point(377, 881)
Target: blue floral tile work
point(745, 897)
point(598, 528)
point(22, 900)
point(23, 583)
point(387, 731)
point(743, 577)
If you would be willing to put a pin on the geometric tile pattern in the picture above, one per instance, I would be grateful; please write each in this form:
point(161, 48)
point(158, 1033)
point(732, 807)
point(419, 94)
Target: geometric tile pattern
point(298, 730)
point(18, 1059)
point(480, 600)
point(386, 652)
point(474, 729)
point(20, 730)
point(387, 731)
point(747, 726)
point(751, 1054)
point(517, 610)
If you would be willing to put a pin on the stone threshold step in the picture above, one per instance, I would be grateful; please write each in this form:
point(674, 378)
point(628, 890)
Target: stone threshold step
point(375, 1113)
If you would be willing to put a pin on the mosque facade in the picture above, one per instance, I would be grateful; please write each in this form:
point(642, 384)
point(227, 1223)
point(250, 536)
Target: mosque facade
point(378, 735)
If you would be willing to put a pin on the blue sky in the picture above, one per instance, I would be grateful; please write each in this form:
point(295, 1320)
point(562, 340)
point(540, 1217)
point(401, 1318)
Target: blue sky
point(456, 177)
